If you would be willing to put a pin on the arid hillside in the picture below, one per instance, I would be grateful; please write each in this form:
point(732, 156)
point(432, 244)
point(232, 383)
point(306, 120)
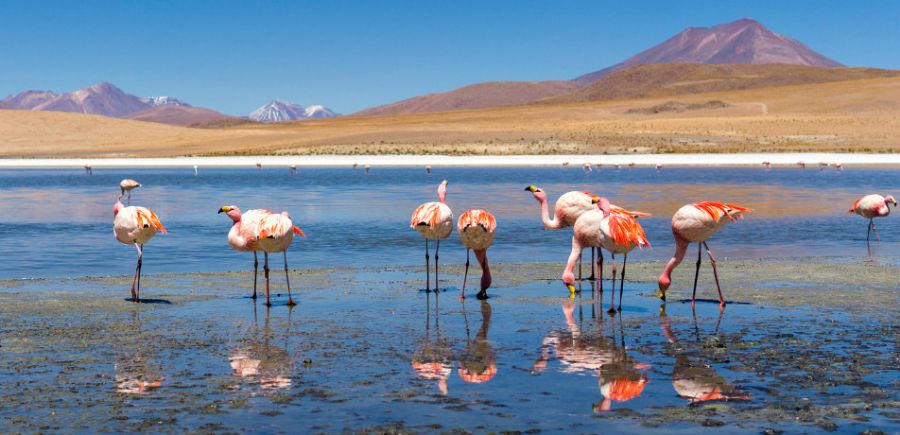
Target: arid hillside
point(848, 115)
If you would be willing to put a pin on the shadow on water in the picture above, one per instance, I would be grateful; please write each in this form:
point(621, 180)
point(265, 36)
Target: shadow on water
point(136, 369)
point(150, 301)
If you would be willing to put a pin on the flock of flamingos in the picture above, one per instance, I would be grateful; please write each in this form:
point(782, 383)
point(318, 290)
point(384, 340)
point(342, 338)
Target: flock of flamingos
point(596, 224)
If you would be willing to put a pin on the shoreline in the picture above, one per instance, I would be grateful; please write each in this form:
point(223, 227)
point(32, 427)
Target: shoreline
point(400, 161)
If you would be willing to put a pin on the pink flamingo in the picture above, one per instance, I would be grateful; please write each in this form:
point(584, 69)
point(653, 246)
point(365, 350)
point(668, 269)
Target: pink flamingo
point(434, 221)
point(587, 232)
point(620, 232)
point(569, 207)
point(695, 223)
point(135, 226)
point(126, 186)
point(871, 207)
point(274, 233)
point(242, 235)
point(476, 230)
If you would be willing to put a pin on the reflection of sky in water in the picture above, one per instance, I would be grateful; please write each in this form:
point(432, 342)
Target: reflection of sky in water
point(58, 222)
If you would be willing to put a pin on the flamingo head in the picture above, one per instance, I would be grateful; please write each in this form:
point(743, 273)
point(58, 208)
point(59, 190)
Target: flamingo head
point(890, 199)
point(538, 194)
point(569, 281)
point(118, 206)
point(664, 283)
point(603, 204)
point(232, 211)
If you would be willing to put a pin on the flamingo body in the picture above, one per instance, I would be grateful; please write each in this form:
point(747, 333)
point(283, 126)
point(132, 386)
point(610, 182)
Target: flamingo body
point(136, 225)
point(696, 223)
point(275, 232)
point(242, 236)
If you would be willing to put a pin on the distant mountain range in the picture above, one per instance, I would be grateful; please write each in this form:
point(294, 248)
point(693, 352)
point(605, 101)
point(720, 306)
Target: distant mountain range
point(744, 41)
point(106, 99)
point(278, 111)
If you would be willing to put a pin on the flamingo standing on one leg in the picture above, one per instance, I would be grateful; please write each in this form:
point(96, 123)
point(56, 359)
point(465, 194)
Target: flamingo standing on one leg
point(695, 223)
point(434, 221)
point(476, 229)
point(274, 233)
point(135, 226)
point(871, 207)
point(242, 235)
point(619, 234)
point(126, 186)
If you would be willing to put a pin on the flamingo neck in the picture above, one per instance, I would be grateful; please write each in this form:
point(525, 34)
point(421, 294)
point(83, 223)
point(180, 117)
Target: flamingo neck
point(442, 195)
point(118, 207)
point(681, 246)
point(481, 256)
point(550, 223)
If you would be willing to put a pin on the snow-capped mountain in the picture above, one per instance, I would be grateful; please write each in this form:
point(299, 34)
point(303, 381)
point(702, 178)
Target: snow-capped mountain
point(279, 110)
point(318, 111)
point(164, 101)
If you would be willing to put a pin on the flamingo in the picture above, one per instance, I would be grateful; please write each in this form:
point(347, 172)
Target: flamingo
point(871, 207)
point(619, 234)
point(274, 233)
point(242, 235)
point(126, 186)
point(695, 223)
point(293, 169)
point(434, 221)
point(476, 230)
point(801, 164)
point(569, 207)
point(135, 226)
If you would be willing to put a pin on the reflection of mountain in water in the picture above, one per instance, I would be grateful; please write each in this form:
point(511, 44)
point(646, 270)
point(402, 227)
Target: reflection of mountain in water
point(620, 377)
point(257, 359)
point(136, 370)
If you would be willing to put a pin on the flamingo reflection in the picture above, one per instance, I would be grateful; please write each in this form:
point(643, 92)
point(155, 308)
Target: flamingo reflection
point(693, 379)
point(257, 360)
point(620, 377)
point(432, 359)
point(137, 372)
point(478, 361)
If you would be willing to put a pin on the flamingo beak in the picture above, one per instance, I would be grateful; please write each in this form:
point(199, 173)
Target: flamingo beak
point(571, 290)
point(595, 199)
point(531, 188)
point(224, 209)
point(661, 293)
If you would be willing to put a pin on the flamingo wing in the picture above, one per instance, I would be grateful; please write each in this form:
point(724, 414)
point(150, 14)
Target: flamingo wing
point(717, 210)
point(426, 214)
point(625, 230)
point(145, 216)
point(472, 218)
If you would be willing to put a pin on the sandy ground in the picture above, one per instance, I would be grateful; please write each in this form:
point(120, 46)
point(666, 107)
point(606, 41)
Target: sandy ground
point(575, 161)
point(852, 116)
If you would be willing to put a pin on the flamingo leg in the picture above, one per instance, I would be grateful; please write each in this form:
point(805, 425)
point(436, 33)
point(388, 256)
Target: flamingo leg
point(427, 269)
point(868, 231)
point(255, 272)
point(436, 267)
point(593, 276)
point(612, 294)
point(140, 266)
point(697, 273)
point(712, 261)
point(579, 264)
point(137, 267)
point(288, 281)
point(600, 268)
point(481, 256)
point(462, 296)
point(622, 283)
point(266, 273)
point(875, 230)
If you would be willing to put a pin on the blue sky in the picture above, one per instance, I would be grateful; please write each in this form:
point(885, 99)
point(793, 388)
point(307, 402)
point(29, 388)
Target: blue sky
point(235, 56)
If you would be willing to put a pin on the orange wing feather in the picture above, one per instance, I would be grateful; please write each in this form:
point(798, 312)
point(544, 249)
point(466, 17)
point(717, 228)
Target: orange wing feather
point(626, 230)
point(429, 213)
point(145, 215)
point(855, 205)
point(718, 209)
point(473, 218)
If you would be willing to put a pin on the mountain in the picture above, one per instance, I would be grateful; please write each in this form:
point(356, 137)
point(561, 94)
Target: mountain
point(101, 99)
point(278, 110)
point(317, 111)
point(27, 100)
point(178, 114)
point(164, 101)
point(744, 41)
point(663, 80)
point(480, 95)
